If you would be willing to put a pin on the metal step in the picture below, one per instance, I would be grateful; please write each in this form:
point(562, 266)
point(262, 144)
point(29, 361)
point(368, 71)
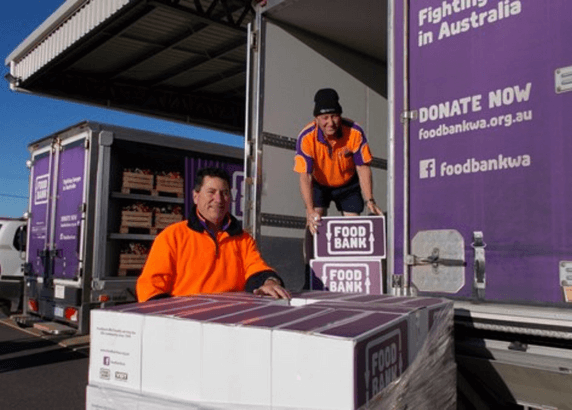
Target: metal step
point(24, 320)
point(55, 328)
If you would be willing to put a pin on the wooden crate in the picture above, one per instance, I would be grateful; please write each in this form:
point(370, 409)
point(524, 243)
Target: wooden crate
point(164, 220)
point(131, 261)
point(170, 185)
point(134, 180)
point(134, 219)
point(130, 265)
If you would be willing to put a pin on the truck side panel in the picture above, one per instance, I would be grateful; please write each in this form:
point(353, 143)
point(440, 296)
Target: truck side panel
point(488, 150)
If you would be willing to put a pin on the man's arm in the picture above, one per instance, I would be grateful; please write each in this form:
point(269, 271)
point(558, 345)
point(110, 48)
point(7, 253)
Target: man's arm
point(156, 279)
point(365, 182)
point(260, 278)
point(312, 216)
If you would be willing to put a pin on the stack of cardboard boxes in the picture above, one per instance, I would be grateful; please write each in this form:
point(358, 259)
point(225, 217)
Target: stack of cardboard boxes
point(323, 350)
point(347, 255)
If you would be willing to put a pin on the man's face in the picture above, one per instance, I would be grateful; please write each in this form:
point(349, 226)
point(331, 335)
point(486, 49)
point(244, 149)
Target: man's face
point(329, 123)
point(213, 199)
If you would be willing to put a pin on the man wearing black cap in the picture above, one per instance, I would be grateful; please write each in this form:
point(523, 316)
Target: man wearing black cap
point(333, 157)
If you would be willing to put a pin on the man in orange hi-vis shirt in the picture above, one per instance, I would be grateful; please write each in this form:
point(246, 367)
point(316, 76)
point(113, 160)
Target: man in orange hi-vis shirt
point(208, 253)
point(333, 157)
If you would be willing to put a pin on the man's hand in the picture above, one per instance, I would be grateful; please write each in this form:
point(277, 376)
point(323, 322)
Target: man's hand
point(313, 220)
point(373, 208)
point(272, 288)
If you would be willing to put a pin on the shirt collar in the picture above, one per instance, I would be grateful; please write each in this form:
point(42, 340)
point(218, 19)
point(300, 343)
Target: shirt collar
point(322, 137)
point(225, 223)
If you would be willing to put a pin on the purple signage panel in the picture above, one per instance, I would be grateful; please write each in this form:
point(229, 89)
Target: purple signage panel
point(360, 276)
point(70, 191)
point(490, 149)
point(359, 236)
point(235, 170)
point(39, 220)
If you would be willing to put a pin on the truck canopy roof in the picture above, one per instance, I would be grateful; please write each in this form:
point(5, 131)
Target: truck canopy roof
point(184, 60)
point(179, 60)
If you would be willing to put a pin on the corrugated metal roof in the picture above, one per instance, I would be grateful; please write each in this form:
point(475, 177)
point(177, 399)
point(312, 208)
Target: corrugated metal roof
point(147, 56)
point(183, 60)
point(63, 34)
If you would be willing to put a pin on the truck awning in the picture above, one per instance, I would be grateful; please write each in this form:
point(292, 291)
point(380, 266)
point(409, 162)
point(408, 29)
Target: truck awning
point(183, 60)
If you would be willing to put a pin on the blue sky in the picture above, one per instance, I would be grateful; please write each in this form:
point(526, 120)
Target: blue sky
point(25, 118)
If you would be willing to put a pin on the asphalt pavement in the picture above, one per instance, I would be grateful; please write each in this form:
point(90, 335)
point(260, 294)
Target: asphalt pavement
point(38, 371)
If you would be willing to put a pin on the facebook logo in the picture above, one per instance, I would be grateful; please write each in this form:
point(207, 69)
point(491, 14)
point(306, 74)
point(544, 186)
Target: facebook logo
point(427, 168)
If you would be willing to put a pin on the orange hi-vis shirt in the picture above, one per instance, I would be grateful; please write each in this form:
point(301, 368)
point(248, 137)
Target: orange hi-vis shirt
point(331, 165)
point(186, 259)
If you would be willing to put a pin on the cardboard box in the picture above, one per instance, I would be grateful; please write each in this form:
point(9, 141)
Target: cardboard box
point(337, 366)
point(187, 358)
point(352, 276)
point(100, 398)
point(115, 349)
point(350, 237)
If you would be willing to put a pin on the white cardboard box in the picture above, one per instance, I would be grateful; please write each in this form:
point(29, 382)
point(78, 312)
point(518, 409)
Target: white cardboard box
point(115, 349)
point(332, 367)
point(171, 359)
point(236, 364)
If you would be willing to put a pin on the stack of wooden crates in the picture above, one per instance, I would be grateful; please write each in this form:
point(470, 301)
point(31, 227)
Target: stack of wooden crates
point(148, 219)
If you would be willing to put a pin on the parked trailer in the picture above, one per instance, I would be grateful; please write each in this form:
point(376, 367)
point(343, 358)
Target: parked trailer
point(98, 196)
point(478, 192)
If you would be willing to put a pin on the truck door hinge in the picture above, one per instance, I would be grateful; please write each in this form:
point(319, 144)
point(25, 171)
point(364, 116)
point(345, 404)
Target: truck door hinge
point(480, 280)
point(434, 260)
point(409, 115)
point(86, 143)
point(254, 41)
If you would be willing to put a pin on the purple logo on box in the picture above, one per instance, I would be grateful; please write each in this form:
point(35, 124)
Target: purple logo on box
point(106, 361)
point(362, 276)
point(351, 236)
point(384, 362)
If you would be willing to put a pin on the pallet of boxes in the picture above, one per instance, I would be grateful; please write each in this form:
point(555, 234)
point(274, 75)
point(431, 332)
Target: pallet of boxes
point(320, 350)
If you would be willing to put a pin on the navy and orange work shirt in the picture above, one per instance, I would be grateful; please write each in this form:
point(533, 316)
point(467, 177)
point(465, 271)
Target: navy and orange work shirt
point(186, 259)
point(331, 164)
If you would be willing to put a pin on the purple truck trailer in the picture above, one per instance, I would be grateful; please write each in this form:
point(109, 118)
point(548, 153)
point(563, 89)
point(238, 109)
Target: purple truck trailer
point(465, 104)
point(97, 201)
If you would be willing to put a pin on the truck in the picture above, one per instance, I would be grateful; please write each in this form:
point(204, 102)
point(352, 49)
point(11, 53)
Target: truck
point(12, 255)
point(465, 105)
point(99, 194)
point(467, 109)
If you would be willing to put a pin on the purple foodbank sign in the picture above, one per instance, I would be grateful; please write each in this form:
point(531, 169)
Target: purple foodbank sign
point(359, 276)
point(350, 237)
